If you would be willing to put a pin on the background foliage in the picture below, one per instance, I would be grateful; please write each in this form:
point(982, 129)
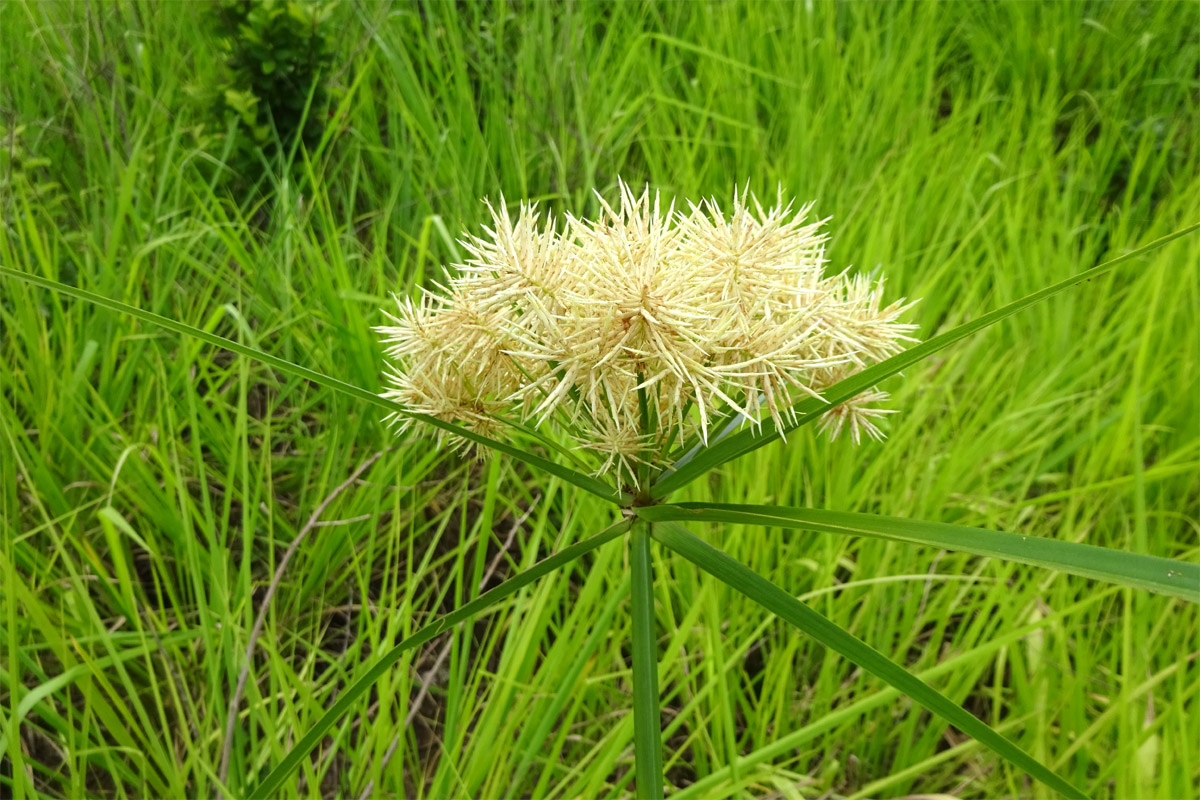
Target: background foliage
point(149, 485)
point(272, 93)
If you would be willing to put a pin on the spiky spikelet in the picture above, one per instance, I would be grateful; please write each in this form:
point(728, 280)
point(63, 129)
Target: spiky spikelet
point(689, 313)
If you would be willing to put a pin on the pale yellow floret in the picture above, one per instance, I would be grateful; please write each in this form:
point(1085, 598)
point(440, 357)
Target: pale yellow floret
point(692, 314)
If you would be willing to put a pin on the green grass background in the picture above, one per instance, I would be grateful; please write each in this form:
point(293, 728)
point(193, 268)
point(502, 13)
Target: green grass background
point(149, 484)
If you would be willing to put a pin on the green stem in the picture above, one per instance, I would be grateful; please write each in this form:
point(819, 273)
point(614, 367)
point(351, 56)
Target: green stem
point(647, 731)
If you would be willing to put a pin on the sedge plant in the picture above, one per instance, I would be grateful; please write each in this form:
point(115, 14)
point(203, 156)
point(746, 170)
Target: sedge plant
point(631, 354)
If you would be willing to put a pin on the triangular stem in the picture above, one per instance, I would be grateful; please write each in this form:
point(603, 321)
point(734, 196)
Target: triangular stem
point(647, 730)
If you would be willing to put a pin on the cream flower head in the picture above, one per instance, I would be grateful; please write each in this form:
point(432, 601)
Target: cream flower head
point(639, 330)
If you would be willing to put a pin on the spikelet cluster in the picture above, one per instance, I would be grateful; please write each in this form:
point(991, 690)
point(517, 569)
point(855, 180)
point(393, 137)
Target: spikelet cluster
point(639, 330)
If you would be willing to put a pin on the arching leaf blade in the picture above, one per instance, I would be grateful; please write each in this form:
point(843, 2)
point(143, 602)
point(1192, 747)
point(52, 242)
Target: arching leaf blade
point(777, 601)
point(269, 787)
point(1152, 573)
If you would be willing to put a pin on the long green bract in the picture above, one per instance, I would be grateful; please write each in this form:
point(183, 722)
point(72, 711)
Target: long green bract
point(1152, 573)
point(700, 460)
point(585, 482)
point(269, 787)
point(777, 601)
point(787, 742)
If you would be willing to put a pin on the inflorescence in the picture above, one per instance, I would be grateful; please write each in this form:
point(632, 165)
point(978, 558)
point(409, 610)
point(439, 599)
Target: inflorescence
point(641, 329)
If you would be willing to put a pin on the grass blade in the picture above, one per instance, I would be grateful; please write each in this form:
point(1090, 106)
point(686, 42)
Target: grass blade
point(788, 608)
point(585, 482)
point(647, 728)
point(269, 787)
point(1152, 573)
point(699, 461)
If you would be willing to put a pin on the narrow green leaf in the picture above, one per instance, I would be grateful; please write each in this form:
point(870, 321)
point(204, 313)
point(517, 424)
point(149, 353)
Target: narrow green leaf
point(647, 725)
point(791, 610)
point(1155, 574)
point(700, 460)
point(269, 787)
point(585, 482)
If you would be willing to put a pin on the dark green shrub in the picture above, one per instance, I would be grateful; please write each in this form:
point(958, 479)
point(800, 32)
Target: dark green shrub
point(277, 55)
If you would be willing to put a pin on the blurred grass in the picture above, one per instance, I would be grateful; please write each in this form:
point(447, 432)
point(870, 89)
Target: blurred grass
point(148, 484)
